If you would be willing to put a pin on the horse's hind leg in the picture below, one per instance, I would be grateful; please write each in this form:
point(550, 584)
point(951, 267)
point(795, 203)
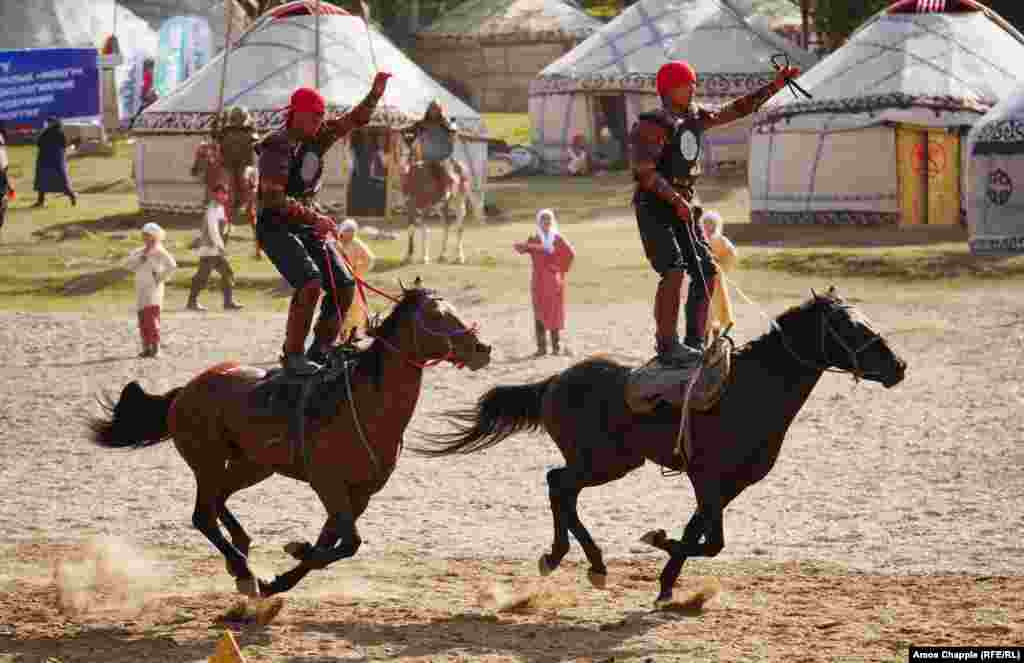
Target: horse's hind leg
point(425, 240)
point(443, 257)
point(241, 474)
point(209, 480)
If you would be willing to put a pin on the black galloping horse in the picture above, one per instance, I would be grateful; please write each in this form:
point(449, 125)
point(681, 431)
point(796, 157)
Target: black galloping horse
point(734, 445)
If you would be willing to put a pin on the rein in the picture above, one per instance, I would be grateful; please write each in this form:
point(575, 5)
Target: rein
point(362, 286)
point(826, 327)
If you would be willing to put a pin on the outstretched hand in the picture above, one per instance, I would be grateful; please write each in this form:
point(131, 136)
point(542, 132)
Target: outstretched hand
point(380, 82)
point(784, 74)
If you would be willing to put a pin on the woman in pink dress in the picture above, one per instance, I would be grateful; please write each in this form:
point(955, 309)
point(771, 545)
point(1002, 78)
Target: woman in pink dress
point(552, 257)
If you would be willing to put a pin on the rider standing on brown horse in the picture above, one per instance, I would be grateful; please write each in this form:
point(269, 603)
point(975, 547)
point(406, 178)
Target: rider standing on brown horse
point(666, 152)
point(291, 229)
point(436, 138)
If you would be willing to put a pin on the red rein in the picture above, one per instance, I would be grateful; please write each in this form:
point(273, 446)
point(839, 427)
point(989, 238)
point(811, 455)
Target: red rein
point(362, 286)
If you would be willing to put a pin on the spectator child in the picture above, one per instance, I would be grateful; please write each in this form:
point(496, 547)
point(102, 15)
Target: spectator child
point(152, 265)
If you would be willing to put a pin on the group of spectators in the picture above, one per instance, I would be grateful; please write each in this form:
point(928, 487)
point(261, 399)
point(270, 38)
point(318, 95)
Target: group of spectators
point(605, 155)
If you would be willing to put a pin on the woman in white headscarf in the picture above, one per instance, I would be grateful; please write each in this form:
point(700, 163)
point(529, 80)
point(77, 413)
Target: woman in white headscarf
point(724, 252)
point(552, 257)
point(361, 260)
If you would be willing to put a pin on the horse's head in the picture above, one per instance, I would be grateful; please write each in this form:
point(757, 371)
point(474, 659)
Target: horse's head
point(844, 339)
point(428, 327)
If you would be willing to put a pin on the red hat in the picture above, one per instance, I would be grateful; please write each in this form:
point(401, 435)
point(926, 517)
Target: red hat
point(674, 74)
point(307, 100)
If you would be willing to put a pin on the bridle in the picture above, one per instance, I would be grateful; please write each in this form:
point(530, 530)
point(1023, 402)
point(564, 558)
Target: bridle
point(420, 325)
point(828, 329)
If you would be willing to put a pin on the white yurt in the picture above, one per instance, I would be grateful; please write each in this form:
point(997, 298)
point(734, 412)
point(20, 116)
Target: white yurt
point(609, 79)
point(995, 180)
point(880, 142)
point(490, 50)
point(273, 58)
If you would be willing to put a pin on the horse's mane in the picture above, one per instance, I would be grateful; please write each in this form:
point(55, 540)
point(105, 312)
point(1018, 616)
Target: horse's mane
point(767, 338)
point(370, 358)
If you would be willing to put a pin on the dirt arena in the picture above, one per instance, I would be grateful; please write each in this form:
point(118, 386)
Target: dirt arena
point(892, 518)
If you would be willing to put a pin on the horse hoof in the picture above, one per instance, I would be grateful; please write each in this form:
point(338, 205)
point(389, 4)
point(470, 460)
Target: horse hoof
point(441, 260)
point(597, 580)
point(298, 549)
point(656, 538)
point(662, 601)
point(544, 567)
point(248, 586)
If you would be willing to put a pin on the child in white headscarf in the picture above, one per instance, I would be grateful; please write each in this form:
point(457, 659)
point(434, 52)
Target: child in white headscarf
point(153, 265)
point(724, 252)
point(361, 260)
point(552, 257)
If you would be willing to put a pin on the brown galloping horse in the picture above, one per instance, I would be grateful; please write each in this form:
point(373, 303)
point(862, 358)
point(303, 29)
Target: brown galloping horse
point(733, 445)
point(352, 448)
point(424, 187)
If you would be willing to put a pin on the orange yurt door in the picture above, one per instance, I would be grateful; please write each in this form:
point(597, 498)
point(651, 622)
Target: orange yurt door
point(929, 174)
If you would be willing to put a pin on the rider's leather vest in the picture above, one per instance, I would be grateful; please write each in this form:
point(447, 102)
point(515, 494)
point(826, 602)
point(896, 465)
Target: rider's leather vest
point(679, 162)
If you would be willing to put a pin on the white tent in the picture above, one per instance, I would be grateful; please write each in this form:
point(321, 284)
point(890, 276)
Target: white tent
point(609, 79)
point(880, 142)
point(995, 180)
point(273, 58)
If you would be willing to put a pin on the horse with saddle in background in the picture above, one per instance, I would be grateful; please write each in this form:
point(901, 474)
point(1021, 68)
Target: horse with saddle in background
point(231, 424)
point(601, 416)
point(434, 179)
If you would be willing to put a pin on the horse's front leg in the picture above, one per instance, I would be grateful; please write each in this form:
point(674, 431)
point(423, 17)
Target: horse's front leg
point(460, 254)
point(425, 239)
point(443, 257)
point(338, 538)
point(411, 219)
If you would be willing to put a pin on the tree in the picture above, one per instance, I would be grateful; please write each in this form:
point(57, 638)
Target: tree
point(835, 20)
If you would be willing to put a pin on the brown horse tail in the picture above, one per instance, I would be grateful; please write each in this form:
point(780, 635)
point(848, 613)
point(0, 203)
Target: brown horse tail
point(500, 413)
point(136, 420)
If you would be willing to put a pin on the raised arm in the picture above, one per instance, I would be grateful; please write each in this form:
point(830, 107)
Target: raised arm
point(338, 127)
point(749, 104)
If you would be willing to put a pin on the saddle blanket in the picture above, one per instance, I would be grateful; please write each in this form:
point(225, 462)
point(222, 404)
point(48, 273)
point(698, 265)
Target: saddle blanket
point(653, 384)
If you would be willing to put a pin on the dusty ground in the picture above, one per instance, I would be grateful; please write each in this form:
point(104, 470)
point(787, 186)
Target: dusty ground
point(892, 517)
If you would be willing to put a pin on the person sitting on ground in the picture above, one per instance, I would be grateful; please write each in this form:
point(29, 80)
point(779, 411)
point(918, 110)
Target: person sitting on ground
point(153, 265)
point(213, 254)
point(724, 253)
point(579, 156)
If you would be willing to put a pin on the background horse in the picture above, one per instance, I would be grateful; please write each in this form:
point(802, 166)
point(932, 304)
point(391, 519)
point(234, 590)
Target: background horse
point(352, 448)
point(424, 190)
point(734, 444)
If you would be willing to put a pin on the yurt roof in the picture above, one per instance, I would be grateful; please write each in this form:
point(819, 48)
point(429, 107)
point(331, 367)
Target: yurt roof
point(72, 24)
point(908, 64)
point(724, 40)
point(274, 57)
point(1001, 130)
point(533, 20)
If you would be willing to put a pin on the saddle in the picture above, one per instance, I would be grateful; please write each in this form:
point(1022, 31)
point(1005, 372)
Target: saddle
point(304, 400)
point(698, 387)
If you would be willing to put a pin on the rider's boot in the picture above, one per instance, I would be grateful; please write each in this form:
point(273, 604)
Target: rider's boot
point(542, 339)
point(327, 329)
point(300, 318)
point(671, 353)
point(698, 305)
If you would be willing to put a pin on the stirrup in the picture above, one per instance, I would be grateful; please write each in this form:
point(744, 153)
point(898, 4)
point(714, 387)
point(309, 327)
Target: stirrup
point(298, 364)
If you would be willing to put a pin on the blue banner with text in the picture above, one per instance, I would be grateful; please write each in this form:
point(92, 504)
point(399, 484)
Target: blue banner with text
point(48, 82)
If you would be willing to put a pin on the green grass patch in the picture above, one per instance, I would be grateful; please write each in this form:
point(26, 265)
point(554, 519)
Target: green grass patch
point(513, 128)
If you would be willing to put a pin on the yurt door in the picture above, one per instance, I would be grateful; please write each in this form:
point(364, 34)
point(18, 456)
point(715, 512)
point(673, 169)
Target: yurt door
point(943, 177)
point(929, 172)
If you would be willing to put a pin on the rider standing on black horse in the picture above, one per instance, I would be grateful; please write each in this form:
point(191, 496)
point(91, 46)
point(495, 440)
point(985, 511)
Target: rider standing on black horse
point(292, 230)
point(666, 152)
point(436, 137)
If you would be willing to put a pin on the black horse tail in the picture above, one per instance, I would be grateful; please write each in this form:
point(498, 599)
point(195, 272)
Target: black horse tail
point(136, 420)
point(500, 413)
